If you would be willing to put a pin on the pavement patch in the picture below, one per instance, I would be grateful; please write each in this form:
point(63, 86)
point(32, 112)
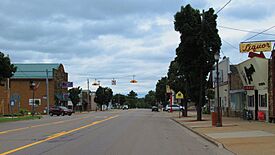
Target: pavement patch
point(240, 134)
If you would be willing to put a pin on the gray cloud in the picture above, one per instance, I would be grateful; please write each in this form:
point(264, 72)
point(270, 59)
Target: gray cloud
point(252, 10)
point(112, 38)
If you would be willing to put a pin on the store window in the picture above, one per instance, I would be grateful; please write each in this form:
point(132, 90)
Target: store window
point(37, 102)
point(263, 100)
point(251, 101)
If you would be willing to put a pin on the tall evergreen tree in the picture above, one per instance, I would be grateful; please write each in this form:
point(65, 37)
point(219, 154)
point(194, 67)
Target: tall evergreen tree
point(195, 53)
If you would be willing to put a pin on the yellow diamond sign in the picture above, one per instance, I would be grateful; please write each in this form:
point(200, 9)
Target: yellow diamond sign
point(179, 95)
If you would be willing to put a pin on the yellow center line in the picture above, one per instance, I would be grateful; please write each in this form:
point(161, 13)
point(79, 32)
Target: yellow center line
point(40, 125)
point(56, 136)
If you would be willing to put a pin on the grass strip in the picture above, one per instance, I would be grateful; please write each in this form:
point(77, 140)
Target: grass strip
point(18, 118)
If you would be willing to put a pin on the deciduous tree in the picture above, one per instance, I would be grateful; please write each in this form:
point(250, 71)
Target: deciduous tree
point(150, 98)
point(74, 95)
point(132, 99)
point(161, 91)
point(119, 98)
point(6, 68)
point(103, 96)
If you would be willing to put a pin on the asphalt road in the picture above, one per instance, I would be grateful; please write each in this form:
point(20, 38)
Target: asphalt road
point(128, 132)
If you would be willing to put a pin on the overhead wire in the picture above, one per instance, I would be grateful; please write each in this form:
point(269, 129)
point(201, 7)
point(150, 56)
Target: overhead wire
point(223, 6)
point(230, 44)
point(259, 33)
point(241, 30)
point(214, 31)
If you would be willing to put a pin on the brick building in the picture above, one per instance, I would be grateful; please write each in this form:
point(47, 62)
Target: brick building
point(17, 94)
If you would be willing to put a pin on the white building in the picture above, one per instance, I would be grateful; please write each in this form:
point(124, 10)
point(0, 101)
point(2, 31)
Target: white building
point(224, 70)
point(254, 76)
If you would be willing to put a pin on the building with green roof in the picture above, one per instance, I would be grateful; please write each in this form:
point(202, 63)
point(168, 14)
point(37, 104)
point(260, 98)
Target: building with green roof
point(23, 94)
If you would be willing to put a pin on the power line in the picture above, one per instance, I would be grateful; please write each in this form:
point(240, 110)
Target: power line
point(230, 44)
point(223, 6)
point(260, 33)
point(241, 30)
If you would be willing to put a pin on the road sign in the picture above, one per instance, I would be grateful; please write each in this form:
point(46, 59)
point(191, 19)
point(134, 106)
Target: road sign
point(15, 96)
point(12, 102)
point(179, 95)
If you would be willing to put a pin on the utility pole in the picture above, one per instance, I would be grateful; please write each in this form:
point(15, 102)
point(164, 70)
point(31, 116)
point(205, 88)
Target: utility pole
point(47, 91)
point(88, 95)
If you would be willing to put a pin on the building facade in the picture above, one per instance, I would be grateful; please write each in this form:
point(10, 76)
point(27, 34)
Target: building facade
point(231, 93)
point(21, 95)
point(87, 102)
point(237, 93)
point(254, 76)
point(224, 70)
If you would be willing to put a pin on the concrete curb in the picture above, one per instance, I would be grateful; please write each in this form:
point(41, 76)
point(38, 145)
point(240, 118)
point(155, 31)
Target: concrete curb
point(218, 144)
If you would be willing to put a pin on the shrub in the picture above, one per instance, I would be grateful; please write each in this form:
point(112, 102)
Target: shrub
point(23, 112)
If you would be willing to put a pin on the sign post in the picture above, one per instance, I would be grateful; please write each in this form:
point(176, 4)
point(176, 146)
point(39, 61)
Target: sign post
point(179, 96)
point(168, 91)
point(12, 104)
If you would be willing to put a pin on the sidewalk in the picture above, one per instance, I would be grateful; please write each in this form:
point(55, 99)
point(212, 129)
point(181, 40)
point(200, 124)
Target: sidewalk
point(237, 135)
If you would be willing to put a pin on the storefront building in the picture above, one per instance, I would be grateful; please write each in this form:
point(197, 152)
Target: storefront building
point(254, 76)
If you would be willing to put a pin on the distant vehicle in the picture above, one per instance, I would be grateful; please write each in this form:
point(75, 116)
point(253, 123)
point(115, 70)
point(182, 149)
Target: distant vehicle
point(155, 108)
point(175, 107)
point(125, 107)
point(60, 110)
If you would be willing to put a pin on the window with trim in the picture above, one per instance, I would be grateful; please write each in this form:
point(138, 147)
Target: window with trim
point(37, 102)
point(263, 100)
point(250, 101)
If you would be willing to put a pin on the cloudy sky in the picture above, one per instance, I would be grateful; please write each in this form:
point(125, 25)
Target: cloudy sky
point(105, 39)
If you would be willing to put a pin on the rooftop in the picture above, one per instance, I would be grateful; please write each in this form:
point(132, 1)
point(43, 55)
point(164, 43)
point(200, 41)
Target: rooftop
point(35, 70)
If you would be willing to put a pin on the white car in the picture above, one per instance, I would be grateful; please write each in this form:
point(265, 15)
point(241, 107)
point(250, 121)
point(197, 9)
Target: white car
point(175, 107)
point(125, 107)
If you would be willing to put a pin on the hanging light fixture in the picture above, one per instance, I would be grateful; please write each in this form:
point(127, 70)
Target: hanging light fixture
point(95, 83)
point(133, 80)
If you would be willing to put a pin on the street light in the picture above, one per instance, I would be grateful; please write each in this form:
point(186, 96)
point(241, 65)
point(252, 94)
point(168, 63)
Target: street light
point(32, 86)
point(217, 57)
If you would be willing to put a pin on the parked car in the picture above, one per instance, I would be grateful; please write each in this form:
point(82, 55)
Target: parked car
point(155, 108)
point(125, 107)
point(60, 110)
point(175, 107)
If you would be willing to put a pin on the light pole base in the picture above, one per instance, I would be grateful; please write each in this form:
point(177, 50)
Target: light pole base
point(218, 125)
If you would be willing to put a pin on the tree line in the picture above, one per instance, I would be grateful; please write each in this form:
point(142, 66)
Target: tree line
point(104, 96)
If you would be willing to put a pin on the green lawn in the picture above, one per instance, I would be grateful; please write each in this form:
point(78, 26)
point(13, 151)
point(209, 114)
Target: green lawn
point(17, 118)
